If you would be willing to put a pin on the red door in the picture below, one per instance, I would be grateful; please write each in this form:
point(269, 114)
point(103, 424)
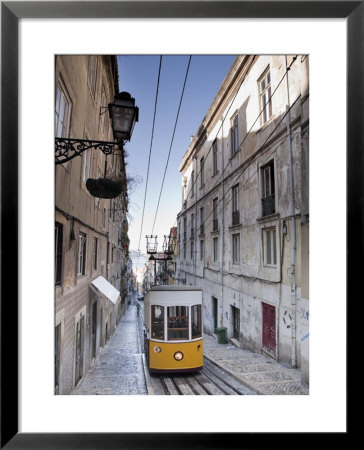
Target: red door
point(269, 327)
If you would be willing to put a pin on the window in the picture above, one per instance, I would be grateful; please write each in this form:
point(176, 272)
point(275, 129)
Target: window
point(184, 190)
point(94, 254)
point(177, 322)
point(202, 250)
point(191, 249)
point(268, 189)
point(92, 63)
point(202, 217)
point(214, 157)
point(265, 97)
point(192, 183)
point(235, 205)
point(184, 250)
point(215, 249)
point(234, 135)
point(184, 228)
point(215, 223)
point(103, 111)
point(196, 321)
point(58, 252)
point(202, 174)
point(81, 254)
point(192, 225)
point(86, 165)
point(157, 325)
point(269, 247)
point(236, 248)
point(63, 112)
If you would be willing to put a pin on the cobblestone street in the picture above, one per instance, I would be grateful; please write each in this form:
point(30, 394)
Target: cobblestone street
point(118, 369)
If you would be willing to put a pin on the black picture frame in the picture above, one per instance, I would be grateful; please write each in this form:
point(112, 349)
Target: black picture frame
point(11, 12)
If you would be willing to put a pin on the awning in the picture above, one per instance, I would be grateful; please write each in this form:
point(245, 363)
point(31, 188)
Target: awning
point(106, 288)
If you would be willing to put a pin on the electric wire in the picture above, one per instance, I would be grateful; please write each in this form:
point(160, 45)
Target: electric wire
point(245, 137)
point(170, 148)
point(247, 133)
point(150, 151)
point(255, 156)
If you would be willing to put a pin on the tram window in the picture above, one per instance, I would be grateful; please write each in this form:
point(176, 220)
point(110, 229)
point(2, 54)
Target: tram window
point(157, 322)
point(196, 321)
point(177, 322)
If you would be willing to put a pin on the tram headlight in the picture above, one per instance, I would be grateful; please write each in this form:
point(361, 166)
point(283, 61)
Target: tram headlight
point(178, 356)
point(157, 349)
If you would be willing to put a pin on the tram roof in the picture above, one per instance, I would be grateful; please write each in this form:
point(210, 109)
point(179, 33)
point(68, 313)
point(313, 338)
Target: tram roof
point(179, 287)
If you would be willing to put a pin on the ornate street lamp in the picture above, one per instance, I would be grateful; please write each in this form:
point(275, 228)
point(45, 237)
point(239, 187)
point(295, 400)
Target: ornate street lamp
point(124, 114)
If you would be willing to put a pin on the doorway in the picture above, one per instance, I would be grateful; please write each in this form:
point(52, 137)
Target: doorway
point(235, 312)
point(93, 329)
point(269, 328)
point(214, 312)
point(79, 349)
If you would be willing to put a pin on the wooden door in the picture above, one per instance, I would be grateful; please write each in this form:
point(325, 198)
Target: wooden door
point(269, 327)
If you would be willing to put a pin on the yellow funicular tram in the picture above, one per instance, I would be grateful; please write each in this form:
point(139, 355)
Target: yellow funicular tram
point(173, 328)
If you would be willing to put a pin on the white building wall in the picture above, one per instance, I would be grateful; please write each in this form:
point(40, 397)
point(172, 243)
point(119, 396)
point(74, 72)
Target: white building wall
point(249, 283)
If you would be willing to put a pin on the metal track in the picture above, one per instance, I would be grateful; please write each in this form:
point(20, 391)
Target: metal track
point(210, 381)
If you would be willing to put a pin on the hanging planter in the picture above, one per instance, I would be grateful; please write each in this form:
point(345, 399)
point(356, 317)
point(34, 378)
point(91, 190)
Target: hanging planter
point(104, 187)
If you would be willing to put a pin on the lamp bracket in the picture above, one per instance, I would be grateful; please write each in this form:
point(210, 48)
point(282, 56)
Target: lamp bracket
point(67, 149)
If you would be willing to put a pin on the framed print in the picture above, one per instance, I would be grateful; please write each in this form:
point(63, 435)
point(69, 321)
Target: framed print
point(193, 23)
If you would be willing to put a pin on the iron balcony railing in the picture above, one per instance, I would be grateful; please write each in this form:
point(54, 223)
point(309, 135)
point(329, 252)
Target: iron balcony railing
point(236, 217)
point(268, 205)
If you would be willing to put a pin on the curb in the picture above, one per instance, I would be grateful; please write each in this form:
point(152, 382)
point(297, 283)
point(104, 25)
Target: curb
point(148, 382)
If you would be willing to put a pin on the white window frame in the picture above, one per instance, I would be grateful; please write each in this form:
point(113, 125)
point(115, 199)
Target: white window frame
point(86, 165)
point(92, 73)
point(234, 134)
point(202, 172)
point(265, 96)
point(235, 242)
point(82, 243)
point(103, 111)
point(63, 110)
point(214, 157)
point(269, 237)
point(215, 249)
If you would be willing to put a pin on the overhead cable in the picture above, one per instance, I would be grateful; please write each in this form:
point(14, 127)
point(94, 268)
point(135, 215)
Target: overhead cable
point(170, 148)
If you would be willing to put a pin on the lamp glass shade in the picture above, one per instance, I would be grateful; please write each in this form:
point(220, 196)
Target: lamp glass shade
point(124, 114)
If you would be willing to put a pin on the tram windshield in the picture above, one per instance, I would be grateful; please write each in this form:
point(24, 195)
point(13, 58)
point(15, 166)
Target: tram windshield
point(177, 322)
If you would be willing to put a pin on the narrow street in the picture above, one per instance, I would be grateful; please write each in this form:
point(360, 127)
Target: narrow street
point(118, 369)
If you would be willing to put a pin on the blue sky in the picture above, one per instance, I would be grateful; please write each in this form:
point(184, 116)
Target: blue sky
point(138, 75)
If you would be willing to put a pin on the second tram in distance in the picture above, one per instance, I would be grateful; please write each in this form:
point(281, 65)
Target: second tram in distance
point(173, 328)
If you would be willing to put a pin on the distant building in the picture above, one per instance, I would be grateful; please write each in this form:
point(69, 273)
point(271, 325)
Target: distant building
point(243, 230)
point(91, 234)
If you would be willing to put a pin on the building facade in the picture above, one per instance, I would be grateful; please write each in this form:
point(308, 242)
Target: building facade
point(91, 233)
point(243, 230)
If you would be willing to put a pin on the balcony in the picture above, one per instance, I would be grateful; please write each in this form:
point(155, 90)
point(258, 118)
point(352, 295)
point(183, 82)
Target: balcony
point(236, 218)
point(268, 205)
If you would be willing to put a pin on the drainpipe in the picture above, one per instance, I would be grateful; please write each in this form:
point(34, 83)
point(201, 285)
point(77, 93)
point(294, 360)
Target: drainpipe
point(222, 224)
point(293, 230)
